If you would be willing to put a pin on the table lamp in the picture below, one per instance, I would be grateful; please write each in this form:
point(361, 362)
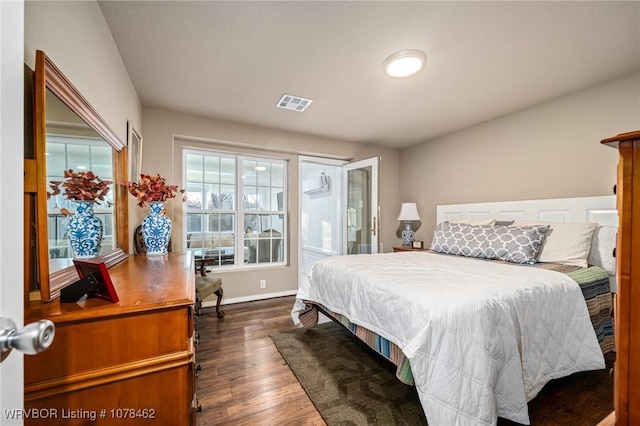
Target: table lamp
point(408, 213)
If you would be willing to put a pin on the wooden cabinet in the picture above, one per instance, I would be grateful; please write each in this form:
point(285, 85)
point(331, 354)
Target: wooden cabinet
point(130, 362)
point(627, 305)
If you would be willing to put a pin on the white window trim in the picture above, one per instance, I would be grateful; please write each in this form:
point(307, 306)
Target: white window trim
point(238, 212)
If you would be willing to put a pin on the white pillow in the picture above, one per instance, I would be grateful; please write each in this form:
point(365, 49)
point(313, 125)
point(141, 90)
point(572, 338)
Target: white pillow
point(566, 243)
point(602, 245)
point(473, 221)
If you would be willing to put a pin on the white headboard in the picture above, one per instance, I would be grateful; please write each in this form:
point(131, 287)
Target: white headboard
point(601, 210)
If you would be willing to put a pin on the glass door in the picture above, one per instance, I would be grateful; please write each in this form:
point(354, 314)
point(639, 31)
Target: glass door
point(360, 193)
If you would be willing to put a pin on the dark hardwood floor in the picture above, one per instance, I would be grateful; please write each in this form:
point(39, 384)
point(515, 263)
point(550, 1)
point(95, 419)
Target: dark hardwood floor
point(245, 381)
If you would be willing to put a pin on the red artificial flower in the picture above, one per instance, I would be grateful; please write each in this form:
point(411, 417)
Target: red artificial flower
point(152, 188)
point(81, 186)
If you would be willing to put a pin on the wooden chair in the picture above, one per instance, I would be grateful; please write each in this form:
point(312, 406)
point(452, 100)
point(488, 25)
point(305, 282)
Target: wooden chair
point(205, 285)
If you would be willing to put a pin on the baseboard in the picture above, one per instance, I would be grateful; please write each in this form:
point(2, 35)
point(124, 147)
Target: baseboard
point(252, 298)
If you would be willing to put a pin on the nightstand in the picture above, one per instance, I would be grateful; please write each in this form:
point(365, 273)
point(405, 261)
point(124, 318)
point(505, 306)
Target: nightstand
point(404, 248)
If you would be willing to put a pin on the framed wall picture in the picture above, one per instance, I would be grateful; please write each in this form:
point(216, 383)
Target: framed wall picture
point(134, 144)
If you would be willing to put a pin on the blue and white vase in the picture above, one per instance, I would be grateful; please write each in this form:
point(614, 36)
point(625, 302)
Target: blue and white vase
point(156, 229)
point(84, 230)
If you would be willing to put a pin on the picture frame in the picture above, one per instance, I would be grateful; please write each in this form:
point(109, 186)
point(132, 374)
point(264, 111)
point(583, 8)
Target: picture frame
point(94, 281)
point(134, 144)
point(417, 245)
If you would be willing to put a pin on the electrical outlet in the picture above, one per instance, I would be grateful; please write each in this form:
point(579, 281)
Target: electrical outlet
point(263, 283)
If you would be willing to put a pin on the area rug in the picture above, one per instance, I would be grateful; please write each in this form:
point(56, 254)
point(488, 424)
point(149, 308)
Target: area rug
point(348, 384)
point(351, 385)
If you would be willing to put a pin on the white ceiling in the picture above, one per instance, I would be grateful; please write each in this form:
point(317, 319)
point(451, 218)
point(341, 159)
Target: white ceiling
point(234, 60)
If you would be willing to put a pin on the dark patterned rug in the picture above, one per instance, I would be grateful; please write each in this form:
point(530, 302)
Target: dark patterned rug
point(351, 385)
point(346, 383)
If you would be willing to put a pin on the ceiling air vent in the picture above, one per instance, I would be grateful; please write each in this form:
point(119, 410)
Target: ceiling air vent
point(294, 103)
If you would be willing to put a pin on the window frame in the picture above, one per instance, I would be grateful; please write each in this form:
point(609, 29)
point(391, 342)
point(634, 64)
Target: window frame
point(238, 211)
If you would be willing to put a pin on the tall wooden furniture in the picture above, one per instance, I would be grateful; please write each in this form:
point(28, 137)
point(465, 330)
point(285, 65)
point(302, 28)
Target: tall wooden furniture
point(130, 362)
point(627, 306)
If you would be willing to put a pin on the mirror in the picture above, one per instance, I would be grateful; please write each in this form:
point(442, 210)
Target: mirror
point(69, 134)
point(71, 144)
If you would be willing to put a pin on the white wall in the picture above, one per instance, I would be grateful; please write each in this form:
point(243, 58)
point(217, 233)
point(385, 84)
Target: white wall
point(75, 36)
point(551, 150)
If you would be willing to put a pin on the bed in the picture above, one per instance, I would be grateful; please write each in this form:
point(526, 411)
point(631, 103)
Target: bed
point(480, 335)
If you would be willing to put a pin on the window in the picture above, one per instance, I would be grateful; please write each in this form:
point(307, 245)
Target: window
point(235, 204)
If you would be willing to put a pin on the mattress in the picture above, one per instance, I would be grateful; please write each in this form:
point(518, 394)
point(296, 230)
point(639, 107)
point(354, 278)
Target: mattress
point(482, 338)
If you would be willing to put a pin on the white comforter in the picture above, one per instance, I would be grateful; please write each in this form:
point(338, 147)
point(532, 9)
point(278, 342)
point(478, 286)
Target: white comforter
point(482, 338)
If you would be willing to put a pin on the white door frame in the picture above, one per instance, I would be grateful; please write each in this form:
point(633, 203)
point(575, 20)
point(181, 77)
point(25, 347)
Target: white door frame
point(372, 162)
point(11, 198)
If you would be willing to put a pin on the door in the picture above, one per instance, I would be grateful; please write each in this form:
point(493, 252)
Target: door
point(320, 226)
point(360, 196)
point(327, 227)
point(11, 214)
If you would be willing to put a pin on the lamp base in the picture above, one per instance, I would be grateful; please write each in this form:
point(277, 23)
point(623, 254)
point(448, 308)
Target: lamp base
point(407, 234)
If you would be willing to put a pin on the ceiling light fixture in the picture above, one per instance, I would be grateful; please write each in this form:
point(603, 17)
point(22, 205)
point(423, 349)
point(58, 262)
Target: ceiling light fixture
point(404, 63)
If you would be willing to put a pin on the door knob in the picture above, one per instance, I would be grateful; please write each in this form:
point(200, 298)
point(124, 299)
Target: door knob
point(31, 339)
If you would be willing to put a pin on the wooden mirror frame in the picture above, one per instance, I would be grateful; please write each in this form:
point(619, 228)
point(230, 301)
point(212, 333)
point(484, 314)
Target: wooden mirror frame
point(48, 76)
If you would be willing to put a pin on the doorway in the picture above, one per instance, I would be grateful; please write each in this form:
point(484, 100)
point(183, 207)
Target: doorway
point(338, 205)
point(320, 206)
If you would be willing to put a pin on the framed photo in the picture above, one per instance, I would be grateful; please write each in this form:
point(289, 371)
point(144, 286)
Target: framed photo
point(94, 280)
point(134, 144)
point(417, 245)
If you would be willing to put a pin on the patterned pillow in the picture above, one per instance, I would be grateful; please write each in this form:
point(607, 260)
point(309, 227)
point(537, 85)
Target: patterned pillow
point(461, 239)
point(517, 244)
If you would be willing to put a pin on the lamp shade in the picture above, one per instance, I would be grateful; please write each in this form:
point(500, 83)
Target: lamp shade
point(409, 211)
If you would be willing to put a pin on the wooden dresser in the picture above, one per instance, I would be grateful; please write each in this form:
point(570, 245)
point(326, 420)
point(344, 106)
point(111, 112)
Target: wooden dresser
point(627, 306)
point(130, 362)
